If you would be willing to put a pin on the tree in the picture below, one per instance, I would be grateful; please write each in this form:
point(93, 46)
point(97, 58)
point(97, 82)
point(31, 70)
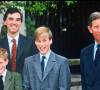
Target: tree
point(35, 7)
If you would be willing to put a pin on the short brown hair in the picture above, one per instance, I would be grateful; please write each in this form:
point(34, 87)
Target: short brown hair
point(93, 16)
point(3, 54)
point(43, 31)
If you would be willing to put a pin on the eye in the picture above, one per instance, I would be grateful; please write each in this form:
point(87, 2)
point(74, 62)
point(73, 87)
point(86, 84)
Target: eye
point(18, 19)
point(44, 40)
point(38, 41)
point(96, 26)
point(10, 18)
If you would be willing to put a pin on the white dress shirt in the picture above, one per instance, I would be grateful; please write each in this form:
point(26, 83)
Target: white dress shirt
point(4, 75)
point(10, 42)
point(46, 59)
point(95, 49)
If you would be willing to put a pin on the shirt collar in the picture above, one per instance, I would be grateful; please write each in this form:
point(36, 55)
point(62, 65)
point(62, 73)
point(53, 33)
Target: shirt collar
point(10, 38)
point(47, 55)
point(96, 44)
point(4, 73)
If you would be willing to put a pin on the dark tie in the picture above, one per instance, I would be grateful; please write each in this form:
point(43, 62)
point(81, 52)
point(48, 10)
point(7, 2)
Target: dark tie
point(1, 83)
point(97, 56)
point(42, 65)
point(13, 55)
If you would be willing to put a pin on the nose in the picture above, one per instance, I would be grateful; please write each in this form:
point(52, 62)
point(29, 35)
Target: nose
point(14, 21)
point(41, 43)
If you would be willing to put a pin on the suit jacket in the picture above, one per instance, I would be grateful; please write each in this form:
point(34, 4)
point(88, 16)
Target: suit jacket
point(56, 75)
point(26, 47)
point(13, 81)
point(89, 73)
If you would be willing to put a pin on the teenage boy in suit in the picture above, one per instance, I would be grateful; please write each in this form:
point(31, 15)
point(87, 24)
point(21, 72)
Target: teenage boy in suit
point(11, 80)
point(56, 73)
point(25, 46)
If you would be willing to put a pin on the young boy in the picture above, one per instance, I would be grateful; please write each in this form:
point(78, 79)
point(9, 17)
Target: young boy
point(10, 80)
point(49, 73)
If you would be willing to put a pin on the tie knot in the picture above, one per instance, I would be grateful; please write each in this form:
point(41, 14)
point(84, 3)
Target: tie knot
point(43, 57)
point(14, 41)
point(1, 76)
point(98, 46)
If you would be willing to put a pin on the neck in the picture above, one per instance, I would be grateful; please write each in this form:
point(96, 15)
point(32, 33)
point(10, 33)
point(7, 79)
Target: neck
point(13, 35)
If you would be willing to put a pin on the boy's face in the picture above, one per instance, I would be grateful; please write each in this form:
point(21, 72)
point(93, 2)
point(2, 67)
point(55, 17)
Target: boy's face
point(13, 23)
point(3, 65)
point(43, 44)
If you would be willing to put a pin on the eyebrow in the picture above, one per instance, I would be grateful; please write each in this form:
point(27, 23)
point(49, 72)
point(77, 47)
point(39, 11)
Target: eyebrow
point(16, 18)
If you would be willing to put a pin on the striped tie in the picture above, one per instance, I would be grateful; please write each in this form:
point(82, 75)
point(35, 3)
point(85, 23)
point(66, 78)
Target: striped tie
point(97, 56)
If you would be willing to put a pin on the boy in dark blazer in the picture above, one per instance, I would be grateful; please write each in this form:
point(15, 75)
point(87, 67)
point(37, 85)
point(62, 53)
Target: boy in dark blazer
point(50, 73)
point(11, 80)
point(89, 64)
point(25, 46)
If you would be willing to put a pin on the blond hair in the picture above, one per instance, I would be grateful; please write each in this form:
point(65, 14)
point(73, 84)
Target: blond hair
point(3, 54)
point(43, 31)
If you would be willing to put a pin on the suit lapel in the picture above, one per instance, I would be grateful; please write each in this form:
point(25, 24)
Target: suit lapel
point(6, 46)
point(89, 57)
point(20, 47)
point(37, 66)
point(97, 69)
point(50, 64)
point(7, 81)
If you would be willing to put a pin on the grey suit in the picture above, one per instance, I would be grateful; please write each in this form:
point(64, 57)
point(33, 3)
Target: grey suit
point(13, 81)
point(56, 75)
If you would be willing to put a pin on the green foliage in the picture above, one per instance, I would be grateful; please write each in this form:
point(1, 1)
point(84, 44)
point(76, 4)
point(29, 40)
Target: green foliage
point(3, 31)
point(6, 4)
point(35, 7)
point(30, 27)
point(70, 2)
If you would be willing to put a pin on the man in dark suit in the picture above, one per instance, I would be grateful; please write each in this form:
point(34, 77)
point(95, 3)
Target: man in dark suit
point(89, 64)
point(25, 46)
point(49, 73)
point(9, 80)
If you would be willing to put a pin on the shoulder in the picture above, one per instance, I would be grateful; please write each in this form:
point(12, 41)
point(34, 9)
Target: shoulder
point(59, 57)
point(25, 38)
point(87, 47)
point(31, 58)
point(13, 74)
point(4, 38)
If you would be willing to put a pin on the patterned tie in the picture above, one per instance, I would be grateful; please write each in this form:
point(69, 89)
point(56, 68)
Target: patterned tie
point(13, 55)
point(1, 83)
point(97, 56)
point(42, 65)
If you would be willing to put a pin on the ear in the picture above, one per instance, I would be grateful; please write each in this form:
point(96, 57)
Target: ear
point(7, 62)
point(51, 41)
point(4, 22)
point(90, 29)
point(35, 42)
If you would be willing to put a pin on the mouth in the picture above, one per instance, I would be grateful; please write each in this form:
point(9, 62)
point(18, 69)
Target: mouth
point(13, 27)
point(43, 48)
point(0, 68)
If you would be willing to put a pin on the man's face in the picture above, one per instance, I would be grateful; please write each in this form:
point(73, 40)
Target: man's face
point(95, 30)
point(13, 23)
point(43, 45)
point(3, 65)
